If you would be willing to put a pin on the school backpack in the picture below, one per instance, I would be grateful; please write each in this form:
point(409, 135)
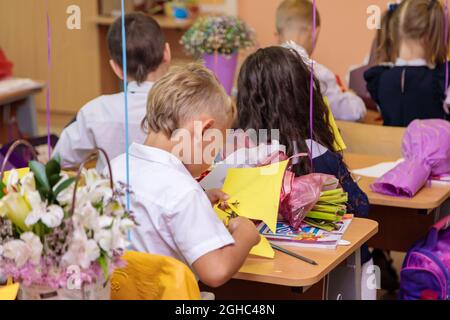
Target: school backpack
point(425, 273)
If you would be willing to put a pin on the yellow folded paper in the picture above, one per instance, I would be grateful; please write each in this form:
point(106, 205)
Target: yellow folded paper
point(255, 194)
point(9, 292)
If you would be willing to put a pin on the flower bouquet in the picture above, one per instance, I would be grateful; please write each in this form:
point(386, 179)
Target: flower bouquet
point(61, 235)
point(218, 39)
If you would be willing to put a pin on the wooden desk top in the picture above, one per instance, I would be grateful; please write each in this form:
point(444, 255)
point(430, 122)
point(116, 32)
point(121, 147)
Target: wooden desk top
point(164, 21)
point(285, 270)
point(16, 95)
point(428, 198)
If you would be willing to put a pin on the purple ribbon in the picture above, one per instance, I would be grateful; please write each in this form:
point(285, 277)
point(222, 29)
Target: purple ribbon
point(446, 44)
point(49, 68)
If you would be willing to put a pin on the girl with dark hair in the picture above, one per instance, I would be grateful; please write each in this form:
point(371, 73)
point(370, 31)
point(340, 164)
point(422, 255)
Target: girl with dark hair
point(274, 93)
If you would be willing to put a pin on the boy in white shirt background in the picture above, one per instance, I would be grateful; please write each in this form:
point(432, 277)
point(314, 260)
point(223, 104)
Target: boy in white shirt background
point(174, 214)
point(101, 122)
point(294, 23)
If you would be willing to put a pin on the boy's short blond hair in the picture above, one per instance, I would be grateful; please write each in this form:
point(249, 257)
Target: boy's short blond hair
point(292, 13)
point(181, 94)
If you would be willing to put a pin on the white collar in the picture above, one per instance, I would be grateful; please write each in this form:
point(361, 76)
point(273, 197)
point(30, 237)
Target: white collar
point(144, 87)
point(151, 154)
point(300, 50)
point(411, 63)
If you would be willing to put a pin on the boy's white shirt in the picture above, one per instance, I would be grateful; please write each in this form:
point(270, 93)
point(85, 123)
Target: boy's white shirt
point(344, 105)
point(174, 214)
point(101, 123)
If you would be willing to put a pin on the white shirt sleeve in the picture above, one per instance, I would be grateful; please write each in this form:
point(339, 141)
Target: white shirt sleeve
point(195, 227)
point(344, 105)
point(76, 142)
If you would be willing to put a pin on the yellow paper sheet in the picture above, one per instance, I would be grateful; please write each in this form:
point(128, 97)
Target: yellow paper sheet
point(257, 194)
point(9, 292)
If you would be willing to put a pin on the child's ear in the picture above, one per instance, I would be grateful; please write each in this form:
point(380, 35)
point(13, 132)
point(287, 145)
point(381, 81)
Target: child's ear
point(117, 70)
point(167, 54)
point(207, 124)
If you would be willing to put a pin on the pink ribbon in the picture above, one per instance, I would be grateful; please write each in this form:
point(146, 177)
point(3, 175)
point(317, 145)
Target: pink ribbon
point(446, 45)
point(311, 87)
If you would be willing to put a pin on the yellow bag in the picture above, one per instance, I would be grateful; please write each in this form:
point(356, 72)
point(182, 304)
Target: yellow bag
point(150, 277)
point(10, 291)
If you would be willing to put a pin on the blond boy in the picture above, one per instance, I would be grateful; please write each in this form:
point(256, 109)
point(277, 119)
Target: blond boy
point(185, 108)
point(294, 23)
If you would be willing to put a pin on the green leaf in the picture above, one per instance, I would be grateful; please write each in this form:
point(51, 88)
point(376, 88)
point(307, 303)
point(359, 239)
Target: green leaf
point(57, 158)
point(2, 188)
point(104, 264)
point(54, 179)
point(39, 173)
point(63, 186)
point(52, 168)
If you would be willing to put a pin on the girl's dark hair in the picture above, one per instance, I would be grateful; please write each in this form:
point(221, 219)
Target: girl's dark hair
point(274, 93)
point(145, 44)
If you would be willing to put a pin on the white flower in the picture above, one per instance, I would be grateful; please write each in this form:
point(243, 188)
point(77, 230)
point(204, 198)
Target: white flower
point(65, 196)
point(113, 238)
point(87, 216)
point(51, 216)
point(115, 209)
point(29, 248)
point(100, 191)
point(91, 176)
point(12, 181)
point(82, 251)
point(28, 184)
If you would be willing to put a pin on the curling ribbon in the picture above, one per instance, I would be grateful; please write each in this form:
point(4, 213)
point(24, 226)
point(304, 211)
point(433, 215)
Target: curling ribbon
point(311, 86)
point(49, 69)
point(125, 91)
point(446, 44)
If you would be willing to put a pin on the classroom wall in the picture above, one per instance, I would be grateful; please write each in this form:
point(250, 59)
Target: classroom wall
point(74, 77)
point(344, 40)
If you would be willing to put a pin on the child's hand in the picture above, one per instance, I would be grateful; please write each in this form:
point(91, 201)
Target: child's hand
point(216, 196)
point(245, 226)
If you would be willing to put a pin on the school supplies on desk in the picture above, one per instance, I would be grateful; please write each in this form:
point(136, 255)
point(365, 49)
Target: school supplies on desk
point(293, 254)
point(307, 236)
point(255, 194)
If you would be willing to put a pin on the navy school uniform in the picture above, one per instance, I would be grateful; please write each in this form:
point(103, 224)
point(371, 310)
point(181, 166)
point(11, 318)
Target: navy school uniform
point(408, 91)
point(327, 162)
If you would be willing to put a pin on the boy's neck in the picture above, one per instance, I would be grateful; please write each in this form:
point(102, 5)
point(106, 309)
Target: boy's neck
point(299, 39)
point(159, 141)
point(155, 75)
point(158, 73)
point(411, 50)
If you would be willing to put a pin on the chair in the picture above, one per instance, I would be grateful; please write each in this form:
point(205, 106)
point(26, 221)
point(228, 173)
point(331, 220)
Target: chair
point(371, 139)
point(150, 277)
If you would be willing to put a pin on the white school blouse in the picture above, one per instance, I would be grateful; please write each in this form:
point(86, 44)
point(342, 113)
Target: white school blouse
point(101, 124)
point(175, 216)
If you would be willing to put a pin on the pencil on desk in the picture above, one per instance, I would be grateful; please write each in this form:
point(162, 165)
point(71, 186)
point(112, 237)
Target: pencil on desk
point(292, 254)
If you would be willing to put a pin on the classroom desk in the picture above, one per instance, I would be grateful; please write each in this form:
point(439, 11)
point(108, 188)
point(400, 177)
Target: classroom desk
point(338, 273)
point(19, 103)
point(412, 216)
